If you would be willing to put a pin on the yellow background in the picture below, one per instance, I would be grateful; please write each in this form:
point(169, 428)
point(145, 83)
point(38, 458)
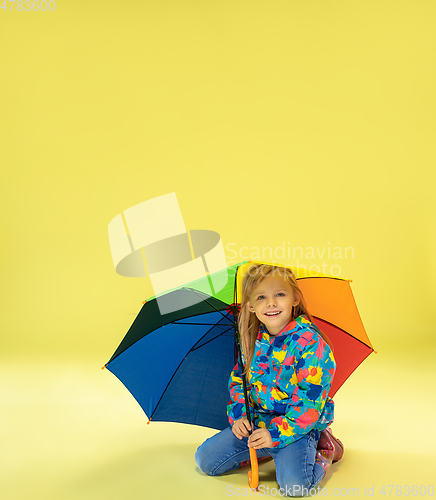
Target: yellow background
point(303, 124)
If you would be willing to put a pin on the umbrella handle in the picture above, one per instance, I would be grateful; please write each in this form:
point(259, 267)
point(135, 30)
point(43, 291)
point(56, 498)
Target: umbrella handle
point(253, 474)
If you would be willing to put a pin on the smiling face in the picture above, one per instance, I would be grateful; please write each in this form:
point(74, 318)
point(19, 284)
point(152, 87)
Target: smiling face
point(272, 302)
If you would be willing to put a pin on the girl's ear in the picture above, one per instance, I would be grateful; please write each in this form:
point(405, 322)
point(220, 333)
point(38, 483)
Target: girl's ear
point(250, 307)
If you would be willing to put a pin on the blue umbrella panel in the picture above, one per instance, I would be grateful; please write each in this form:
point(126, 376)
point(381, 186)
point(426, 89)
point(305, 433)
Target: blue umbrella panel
point(177, 365)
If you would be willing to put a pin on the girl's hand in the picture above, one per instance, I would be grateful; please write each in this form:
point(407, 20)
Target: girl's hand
point(241, 427)
point(260, 438)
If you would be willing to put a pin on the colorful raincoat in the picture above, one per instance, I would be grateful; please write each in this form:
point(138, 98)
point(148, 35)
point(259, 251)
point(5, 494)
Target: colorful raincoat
point(288, 383)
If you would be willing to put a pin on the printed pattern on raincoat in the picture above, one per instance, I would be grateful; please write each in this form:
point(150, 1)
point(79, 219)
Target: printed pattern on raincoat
point(289, 380)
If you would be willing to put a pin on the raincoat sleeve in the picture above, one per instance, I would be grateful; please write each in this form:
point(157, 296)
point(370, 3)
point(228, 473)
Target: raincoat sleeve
point(307, 381)
point(236, 406)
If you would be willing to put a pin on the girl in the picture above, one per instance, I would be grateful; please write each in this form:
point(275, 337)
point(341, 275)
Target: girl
point(289, 366)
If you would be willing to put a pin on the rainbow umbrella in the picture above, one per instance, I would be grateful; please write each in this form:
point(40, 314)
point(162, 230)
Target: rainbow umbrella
point(177, 365)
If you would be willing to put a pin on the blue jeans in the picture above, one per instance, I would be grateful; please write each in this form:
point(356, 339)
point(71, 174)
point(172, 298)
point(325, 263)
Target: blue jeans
point(296, 469)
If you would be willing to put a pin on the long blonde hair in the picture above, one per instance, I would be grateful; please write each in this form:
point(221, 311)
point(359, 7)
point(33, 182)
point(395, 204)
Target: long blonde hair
point(249, 323)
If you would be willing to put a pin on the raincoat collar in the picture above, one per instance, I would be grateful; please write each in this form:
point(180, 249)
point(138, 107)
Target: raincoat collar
point(301, 322)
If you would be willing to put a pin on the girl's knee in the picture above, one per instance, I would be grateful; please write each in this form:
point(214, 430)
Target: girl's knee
point(211, 457)
point(204, 462)
point(221, 453)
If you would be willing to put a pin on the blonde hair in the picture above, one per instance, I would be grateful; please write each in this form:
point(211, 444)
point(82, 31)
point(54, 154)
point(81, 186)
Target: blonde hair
point(249, 323)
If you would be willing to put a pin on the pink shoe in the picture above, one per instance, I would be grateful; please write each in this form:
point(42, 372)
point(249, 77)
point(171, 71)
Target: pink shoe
point(328, 442)
point(325, 459)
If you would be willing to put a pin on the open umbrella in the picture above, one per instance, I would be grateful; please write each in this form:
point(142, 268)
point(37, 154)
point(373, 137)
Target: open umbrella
point(177, 365)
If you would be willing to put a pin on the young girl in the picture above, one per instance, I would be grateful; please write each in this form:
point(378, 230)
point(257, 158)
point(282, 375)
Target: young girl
point(289, 368)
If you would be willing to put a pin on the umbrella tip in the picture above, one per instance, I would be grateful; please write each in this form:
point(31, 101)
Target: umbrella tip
point(144, 301)
point(149, 420)
point(103, 367)
point(350, 281)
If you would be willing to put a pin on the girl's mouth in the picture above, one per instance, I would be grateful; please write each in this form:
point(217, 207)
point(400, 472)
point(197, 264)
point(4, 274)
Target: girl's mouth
point(273, 313)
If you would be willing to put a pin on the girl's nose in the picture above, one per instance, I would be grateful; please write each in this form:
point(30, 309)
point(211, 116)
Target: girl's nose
point(272, 301)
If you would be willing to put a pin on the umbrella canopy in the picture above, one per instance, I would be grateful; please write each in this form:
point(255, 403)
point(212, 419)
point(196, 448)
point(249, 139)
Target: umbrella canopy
point(177, 365)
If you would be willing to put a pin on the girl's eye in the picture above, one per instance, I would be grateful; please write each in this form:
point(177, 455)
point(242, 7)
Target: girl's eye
point(260, 297)
point(280, 293)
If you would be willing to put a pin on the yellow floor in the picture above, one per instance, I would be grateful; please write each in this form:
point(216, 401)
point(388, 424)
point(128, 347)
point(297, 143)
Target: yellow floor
point(71, 431)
